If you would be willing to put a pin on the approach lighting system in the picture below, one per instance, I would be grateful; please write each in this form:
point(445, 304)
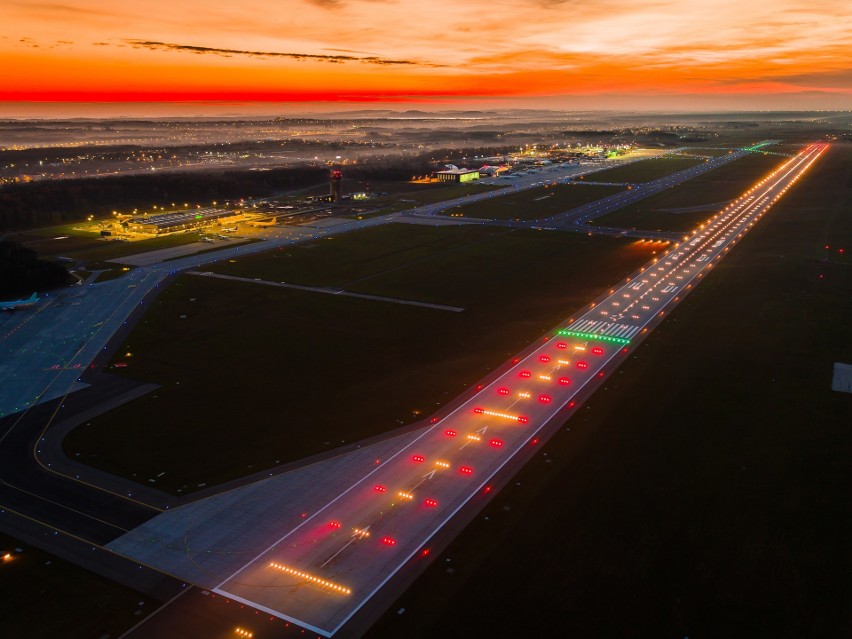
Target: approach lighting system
point(316, 581)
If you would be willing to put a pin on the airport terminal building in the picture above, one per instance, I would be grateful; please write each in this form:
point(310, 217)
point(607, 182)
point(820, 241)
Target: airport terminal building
point(177, 221)
point(457, 175)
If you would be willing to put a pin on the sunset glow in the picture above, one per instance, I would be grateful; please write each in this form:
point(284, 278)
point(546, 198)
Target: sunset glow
point(512, 52)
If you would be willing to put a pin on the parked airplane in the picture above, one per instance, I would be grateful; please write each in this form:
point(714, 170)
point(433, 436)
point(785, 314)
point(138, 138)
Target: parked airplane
point(14, 305)
point(233, 229)
point(208, 239)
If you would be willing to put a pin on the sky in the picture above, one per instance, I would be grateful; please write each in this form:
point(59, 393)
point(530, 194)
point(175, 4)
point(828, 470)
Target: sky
point(440, 54)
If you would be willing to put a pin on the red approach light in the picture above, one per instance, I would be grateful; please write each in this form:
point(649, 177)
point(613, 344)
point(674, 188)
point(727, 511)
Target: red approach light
point(425, 552)
point(572, 404)
point(388, 541)
point(380, 489)
point(544, 399)
point(564, 381)
point(535, 441)
point(525, 374)
point(515, 360)
point(450, 432)
point(601, 374)
point(334, 525)
point(523, 420)
point(479, 411)
point(582, 365)
point(497, 443)
point(561, 345)
point(479, 387)
point(466, 470)
point(503, 391)
point(418, 458)
point(434, 420)
point(544, 359)
point(624, 350)
point(597, 350)
point(430, 503)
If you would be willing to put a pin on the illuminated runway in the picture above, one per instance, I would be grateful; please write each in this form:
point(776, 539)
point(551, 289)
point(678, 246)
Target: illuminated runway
point(321, 570)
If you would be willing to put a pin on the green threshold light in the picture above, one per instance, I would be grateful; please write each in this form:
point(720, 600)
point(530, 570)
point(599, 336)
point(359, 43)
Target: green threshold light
point(603, 338)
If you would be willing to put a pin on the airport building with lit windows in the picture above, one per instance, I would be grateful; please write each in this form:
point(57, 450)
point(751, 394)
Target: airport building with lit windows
point(457, 175)
point(177, 221)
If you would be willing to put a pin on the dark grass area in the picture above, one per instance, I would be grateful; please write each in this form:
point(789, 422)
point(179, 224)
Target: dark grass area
point(535, 203)
point(86, 247)
point(684, 207)
point(255, 375)
point(643, 170)
point(706, 150)
point(704, 491)
point(422, 194)
point(110, 250)
point(45, 597)
point(46, 241)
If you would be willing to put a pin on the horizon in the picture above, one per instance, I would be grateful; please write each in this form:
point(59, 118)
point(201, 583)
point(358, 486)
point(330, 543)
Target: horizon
point(22, 111)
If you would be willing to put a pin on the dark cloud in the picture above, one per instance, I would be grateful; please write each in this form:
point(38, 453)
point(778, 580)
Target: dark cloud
point(326, 4)
point(823, 79)
point(227, 53)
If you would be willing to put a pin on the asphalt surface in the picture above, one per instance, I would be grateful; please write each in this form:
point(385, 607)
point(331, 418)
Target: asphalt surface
point(321, 572)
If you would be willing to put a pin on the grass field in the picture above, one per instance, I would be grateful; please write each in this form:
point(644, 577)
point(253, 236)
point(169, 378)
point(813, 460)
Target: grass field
point(57, 240)
point(421, 194)
point(702, 150)
point(683, 207)
point(535, 203)
point(87, 246)
point(253, 375)
point(45, 597)
point(703, 499)
point(643, 170)
point(110, 250)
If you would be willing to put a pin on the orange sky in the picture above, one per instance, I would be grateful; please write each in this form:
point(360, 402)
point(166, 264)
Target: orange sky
point(771, 54)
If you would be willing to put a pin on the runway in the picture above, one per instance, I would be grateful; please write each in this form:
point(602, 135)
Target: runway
point(326, 562)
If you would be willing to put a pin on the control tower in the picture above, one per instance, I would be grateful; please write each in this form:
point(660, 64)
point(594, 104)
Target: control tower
point(334, 186)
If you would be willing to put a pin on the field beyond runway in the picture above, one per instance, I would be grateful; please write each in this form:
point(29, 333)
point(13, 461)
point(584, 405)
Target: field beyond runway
point(257, 376)
point(645, 170)
point(535, 203)
point(684, 207)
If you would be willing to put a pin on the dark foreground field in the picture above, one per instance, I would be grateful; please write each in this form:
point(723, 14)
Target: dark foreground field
point(254, 376)
point(47, 597)
point(705, 491)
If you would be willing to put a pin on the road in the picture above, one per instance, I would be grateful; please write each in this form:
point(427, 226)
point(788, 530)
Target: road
point(321, 571)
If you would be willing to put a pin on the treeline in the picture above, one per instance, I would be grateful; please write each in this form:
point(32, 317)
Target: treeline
point(50, 202)
point(21, 272)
